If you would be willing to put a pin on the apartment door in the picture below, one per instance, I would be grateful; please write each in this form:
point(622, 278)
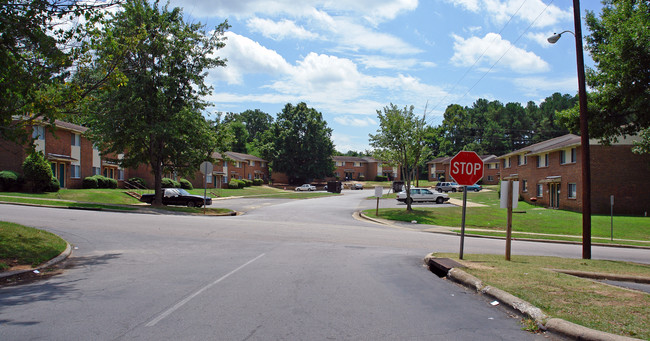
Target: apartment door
point(554, 194)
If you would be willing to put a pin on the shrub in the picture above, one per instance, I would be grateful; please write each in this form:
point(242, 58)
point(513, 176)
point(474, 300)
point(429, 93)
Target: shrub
point(170, 183)
point(381, 178)
point(37, 172)
point(10, 181)
point(112, 183)
point(248, 183)
point(102, 181)
point(139, 181)
point(258, 182)
point(90, 182)
point(361, 178)
point(233, 184)
point(186, 184)
point(53, 186)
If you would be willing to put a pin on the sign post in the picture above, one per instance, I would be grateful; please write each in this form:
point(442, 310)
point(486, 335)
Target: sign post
point(378, 193)
point(509, 201)
point(467, 169)
point(206, 168)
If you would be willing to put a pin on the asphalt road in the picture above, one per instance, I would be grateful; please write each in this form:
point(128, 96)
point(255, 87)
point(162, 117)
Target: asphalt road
point(285, 270)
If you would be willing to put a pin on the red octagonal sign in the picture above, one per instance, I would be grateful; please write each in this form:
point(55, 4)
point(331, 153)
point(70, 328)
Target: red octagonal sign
point(466, 168)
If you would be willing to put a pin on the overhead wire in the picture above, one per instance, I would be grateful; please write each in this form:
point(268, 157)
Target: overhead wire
point(498, 60)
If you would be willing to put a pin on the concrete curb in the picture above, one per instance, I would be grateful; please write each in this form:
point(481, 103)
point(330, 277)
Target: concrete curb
point(61, 257)
point(555, 325)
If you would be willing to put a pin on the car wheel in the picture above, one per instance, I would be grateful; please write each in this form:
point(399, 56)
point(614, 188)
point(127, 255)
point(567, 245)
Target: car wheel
point(476, 190)
point(409, 201)
point(440, 200)
point(191, 204)
point(453, 190)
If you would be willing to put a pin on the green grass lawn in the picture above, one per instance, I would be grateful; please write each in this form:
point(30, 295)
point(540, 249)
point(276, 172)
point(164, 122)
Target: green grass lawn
point(528, 218)
point(582, 301)
point(22, 245)
point(103, 196)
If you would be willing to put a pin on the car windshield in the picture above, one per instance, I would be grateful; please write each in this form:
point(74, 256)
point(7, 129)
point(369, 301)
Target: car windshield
point(183, 192)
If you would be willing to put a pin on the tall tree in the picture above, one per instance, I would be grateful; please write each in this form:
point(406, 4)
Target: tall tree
point(299, 144)
point(400, 141)
point(619, 44)
point(154, 116)
point(40, 43)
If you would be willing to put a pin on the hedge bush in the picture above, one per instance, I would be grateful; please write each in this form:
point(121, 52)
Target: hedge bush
point(139, 181)
point(236, 184)
point(53, 186)
point(381, 178)
point(258, 182)
point(248, 183)
point(90, 182)
point(37, 172)
point(170, 183)
point(186, 184)
point(10, 181)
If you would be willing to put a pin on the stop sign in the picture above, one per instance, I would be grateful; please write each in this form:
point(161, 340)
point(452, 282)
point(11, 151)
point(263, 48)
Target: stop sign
point(466, 168)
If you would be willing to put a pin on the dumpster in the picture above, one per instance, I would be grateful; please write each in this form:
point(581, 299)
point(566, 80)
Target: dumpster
point(398, 186)
point(334, 186)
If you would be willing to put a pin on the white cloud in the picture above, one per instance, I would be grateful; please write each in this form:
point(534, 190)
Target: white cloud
point(344, 142)
point(540, 38)
point(246, 56)
point(381, 62)
point(468, 51)
point(279, 30)
point(500, 11)
point(355, 121)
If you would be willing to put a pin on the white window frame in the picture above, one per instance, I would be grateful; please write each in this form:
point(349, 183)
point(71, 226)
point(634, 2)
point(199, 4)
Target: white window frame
point(572, 191)
point(75, 140)
point(75, 171)
point(540, 190)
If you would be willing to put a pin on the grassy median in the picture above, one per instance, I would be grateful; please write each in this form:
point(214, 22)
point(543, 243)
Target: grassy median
point(26, 246)
point(586, 302)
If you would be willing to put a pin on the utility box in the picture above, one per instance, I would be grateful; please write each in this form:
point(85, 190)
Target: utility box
point(334, 186)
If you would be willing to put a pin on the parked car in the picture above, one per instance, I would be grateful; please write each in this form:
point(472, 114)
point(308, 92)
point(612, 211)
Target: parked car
point(356, 186)
point(306, 187)
point(177, 196)
point(448, 186)
point(474, 188)
point(423, 195)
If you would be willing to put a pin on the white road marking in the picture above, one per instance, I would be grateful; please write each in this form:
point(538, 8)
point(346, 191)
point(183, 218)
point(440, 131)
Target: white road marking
point(188, 298)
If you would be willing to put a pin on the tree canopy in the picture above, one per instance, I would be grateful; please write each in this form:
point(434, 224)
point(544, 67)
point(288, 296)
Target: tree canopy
point(155, 116)
point(41, 43)
point(400, 142)
point(299, 144)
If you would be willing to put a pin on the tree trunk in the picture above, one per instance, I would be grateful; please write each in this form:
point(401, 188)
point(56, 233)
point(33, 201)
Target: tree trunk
point(157, 175)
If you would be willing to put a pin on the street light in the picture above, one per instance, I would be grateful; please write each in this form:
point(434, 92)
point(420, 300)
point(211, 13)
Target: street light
point(584, 131)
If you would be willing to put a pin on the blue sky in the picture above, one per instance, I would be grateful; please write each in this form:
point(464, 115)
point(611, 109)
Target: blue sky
point(348, 59)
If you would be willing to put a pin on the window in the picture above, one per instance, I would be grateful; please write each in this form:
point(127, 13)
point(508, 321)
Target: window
point(96, 171)
point(506, 162)
point(39, 133)
point(540, 190)
point(524, 185)
point(542, 160)
point(567, 156)
point(573, 155)
point(75, 171)
point(76, 140)
point(522, 160)
point(252, 163)
point(357, 164)
point(572, 191)
point(120, 174)
point(208, 178)
point(490, 178)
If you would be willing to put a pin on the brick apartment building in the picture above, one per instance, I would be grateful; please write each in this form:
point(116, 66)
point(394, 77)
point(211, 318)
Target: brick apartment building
point(439, 169)
point(550, 175)
point(71, 156)
point(353, 168)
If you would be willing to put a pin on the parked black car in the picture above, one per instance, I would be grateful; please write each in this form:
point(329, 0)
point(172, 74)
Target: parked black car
point(178, 196)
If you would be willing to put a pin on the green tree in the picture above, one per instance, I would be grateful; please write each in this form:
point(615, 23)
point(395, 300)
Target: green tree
point(400, 141)
point(619, 44)
point(40, 43)
point(240, 134)
point(37, 172)
point(154, 116)
point(299, 144)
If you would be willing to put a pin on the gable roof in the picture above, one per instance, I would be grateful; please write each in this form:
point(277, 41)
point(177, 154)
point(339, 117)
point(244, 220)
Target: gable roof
point(349, 159)
point(557, 143)
point(237, 156)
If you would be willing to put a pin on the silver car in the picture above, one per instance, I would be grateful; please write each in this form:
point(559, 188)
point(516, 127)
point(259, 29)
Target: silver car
point(423, 195)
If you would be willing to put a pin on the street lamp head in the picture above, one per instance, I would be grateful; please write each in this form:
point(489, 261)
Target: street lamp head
point(556, 36)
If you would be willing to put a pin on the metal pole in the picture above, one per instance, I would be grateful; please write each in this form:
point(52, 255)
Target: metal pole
point(462, 226)
point(612, 216)
point(584, 137)
point(509, 220)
